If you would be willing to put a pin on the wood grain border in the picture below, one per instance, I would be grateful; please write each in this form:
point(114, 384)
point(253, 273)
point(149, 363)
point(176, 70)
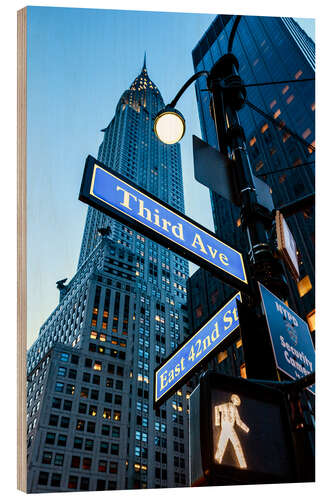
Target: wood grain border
point(21, 248)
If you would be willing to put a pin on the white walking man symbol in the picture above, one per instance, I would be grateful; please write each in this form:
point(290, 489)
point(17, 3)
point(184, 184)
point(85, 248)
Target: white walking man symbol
point(226, 415)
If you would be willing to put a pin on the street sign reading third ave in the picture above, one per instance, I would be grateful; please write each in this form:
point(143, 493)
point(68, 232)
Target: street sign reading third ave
point(182, 362)
point(116, 196)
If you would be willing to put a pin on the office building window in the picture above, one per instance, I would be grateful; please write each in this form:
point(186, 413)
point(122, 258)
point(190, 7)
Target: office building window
point(86, 463)
point(53, 420)
point(91, 427)
point(89, 445)
point(59, 387)
point(55, 479)
point(64, 422)
point(102, 466)
point(311, 319)
point(304, 286)
point(59, 459)
point(72, 482)
point(113, 467)
point(84, 484)
point(43, 478)
point(61, 371)
point(47, 457)
point(104, 447)
point(50, 438)
point(62, 440)
point(78, 441)
point(67, 406)
point(75, 463)
point(56, 403)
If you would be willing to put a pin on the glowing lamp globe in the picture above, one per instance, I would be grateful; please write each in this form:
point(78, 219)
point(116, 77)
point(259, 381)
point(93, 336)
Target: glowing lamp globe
point(169, 125)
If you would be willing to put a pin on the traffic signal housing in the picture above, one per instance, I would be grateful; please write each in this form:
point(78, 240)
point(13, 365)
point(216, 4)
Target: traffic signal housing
point(239, 433)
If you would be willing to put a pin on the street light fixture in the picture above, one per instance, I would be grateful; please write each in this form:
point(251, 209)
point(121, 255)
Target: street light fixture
point(169, 125)
point(228, 96)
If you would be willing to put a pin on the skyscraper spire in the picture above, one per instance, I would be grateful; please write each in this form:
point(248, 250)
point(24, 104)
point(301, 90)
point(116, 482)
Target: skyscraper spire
point(144, 63)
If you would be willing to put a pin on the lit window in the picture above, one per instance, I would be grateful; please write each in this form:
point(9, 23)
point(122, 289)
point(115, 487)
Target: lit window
point(282, 178)
point(221, 356)
point(285, 136)
point(116, 415)
point(298, 161)
point(239, 343)
point(272, 104)
point(298, 74)
point(264, 128)
point(93, 335)
point(313, 143)
point(97, 366)
point(313, 106)
point(252, 141)
point(107, 413)
point(285, 89)
point(259, 165)
point(311, 319)
point(290, 99)
point(198, 311)
point(239, 222)
point(80, 425)
point(242, 370)
point(93, 410)
point(277, 113)
point(93, 322)
point(304, 286)
point(59, 387)
point(306, 133)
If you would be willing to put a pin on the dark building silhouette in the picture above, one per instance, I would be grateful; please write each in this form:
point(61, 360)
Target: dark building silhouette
point(268, 50)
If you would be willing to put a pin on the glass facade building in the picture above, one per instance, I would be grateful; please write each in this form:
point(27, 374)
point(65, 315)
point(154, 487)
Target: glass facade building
point(91, 423)
point(269, 49)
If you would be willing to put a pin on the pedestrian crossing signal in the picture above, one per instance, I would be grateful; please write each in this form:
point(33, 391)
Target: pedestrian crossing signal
point(241, 431)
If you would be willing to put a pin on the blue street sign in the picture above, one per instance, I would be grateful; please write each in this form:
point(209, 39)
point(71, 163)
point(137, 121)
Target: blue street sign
point(203, 343)
point(290, 336)
point(112, 193)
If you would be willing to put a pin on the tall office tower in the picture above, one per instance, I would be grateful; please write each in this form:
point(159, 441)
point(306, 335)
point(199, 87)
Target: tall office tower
point(91, 422)
point(268, 50)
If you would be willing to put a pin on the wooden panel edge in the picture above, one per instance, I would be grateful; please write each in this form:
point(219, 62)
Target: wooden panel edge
point(21, 248)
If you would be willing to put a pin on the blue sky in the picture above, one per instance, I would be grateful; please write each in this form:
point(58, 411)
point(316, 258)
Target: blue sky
point(79, 63)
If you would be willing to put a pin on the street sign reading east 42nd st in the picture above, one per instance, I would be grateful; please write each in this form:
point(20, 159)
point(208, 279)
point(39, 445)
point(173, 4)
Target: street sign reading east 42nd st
point(181, 363)
point(119, 198)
